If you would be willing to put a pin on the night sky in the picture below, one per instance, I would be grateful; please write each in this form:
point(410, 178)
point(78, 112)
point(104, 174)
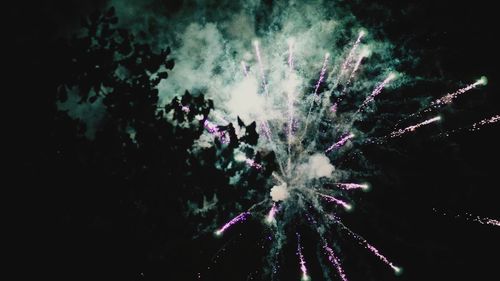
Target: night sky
point(94, 210)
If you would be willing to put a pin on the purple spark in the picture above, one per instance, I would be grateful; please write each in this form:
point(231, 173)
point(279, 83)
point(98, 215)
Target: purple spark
point(413, 127)
point(336, 201)
point(335, 261)
point(349, 186)
point(241, 217)
point(377, 91)
point(303, 267)
point(272, 213)
point(321, 75)
point(340, 143)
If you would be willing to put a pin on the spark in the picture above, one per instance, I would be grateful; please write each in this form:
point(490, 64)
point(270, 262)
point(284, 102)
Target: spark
point(350, 186)
point(335, 261)
point(350, 56)
point(211, 127)
point(252, 163)
point(363, 55)
point(447, 99)
point(363, 242)
point(240, 157)
point(337, 201)
point(315, 94)
point(340, 143)
point(322, 74)
point(241, 217)
point(377, 91)
point(272, 213)
point(414, 127)
point(477, 126)
point(472, 128)
point(473, 218)
point(303, 267)
point(214, 130)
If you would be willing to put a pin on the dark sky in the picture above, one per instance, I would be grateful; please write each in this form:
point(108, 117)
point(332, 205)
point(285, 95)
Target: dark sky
point(455, 40)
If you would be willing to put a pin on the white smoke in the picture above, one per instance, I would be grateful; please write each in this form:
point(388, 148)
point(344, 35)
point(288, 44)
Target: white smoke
point(279, 192)
point(317, 166)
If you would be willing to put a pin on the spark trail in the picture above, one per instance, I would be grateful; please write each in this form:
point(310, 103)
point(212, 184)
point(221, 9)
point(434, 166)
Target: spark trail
point(343, 70)
point(446, 99)
point(302, 261)
point(239, 218)
point(335, 261)
point(340, 143)
point(350, 186)
point(412, 128)
point(376, 92)
point(316, 88)
point(337, 201)
point(272, 213)
point(321, 75)
point(363, 242)
point(472, 128)
point(471, 217)
point(349, 58)
point(478, 125)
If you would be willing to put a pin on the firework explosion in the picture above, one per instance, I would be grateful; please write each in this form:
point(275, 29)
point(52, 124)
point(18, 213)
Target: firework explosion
point(304, 164)
point(309, 81)
point(304, 186)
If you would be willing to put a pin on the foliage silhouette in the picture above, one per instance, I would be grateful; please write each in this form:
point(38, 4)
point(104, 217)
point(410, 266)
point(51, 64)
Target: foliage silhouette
point(143, 180)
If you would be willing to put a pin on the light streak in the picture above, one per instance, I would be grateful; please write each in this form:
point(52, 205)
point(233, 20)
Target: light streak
point(340, 143)
point(239, 218)
point(412, 128)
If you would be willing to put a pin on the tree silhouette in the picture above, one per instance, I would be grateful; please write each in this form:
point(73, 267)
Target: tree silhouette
point(132, 194)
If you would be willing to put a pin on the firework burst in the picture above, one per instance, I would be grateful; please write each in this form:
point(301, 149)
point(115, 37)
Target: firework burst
point(299, 133)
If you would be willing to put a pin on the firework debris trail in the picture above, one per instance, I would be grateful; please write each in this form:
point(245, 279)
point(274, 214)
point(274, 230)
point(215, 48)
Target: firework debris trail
point(474, 127)
point(345, 66)
point(363, 242)
point(344, 69)
point(470, 217)
point(340, 143)
point(337, 201)
point(270, 216)
point(334, 260)
point(239, 218)
point(445, 100)
point(350, 186)
point(376, 92)
point(315, 94)
point(412, 128)
point(302, 261)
